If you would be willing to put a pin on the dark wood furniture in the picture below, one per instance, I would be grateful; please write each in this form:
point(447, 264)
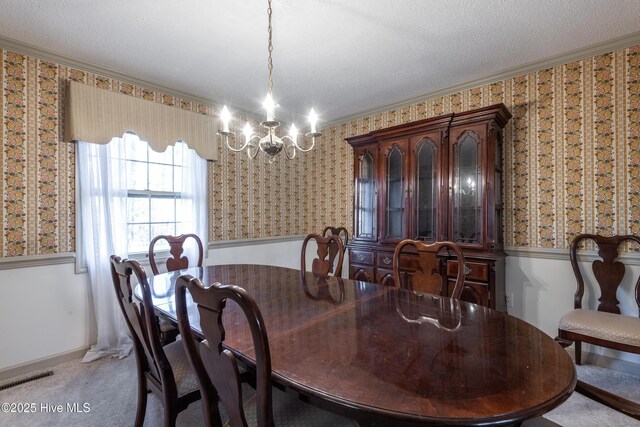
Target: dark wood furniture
point(164, 371)
point(342, 233)
point(433, 180)
point(175, 262)
point(420, 270)
point(374, 359)
point(176, 247)
point(324, 263)
point(604, 326)
point(217, 369)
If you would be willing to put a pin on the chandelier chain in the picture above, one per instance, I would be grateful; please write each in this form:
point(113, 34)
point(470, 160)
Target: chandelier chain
point(271, 144)
point(270, 62)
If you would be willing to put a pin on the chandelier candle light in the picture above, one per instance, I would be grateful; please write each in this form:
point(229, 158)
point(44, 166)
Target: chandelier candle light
point(271, 144)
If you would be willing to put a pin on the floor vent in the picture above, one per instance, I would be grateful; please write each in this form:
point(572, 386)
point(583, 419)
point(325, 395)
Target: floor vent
point(26, 380)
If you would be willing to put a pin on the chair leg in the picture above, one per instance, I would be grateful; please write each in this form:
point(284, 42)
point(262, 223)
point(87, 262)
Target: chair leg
point(578, 347)
point(170, 415)
point(141, 410)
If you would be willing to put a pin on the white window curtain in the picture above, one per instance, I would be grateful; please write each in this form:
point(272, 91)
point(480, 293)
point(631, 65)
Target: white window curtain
point(103, 215)
point(103, 194)
point(193, 218)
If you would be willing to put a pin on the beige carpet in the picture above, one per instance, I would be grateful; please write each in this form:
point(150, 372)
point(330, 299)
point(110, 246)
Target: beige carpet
point(108, 388)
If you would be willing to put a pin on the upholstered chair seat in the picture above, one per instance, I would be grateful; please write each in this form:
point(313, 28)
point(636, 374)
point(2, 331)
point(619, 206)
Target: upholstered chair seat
point(186, 381)
point(603, 325)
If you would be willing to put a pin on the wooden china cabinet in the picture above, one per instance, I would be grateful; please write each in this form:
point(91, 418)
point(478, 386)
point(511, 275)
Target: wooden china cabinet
point(434, 179)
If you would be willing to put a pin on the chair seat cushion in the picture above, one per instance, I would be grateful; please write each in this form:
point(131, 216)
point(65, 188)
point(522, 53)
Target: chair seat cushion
point(600, 324)
point(186, 380)
point(291, 411)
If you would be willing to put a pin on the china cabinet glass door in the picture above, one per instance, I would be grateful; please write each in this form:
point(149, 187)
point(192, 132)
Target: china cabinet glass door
point(395, 194)
point(426, 191)
point(366, 197)
point(467, 189)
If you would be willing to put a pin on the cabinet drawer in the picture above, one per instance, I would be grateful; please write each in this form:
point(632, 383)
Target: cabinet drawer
point(384, 259)
point(407, 261)
point(385, 277)
point(360, 257)
point(361, 273)
point(476, 270)
point(477, 293)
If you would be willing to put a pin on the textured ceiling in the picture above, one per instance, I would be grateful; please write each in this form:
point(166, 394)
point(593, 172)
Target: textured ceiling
point(342, 57)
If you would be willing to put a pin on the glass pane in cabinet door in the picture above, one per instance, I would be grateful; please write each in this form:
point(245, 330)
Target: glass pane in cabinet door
point(367, 197)
point(426, 182)
point(396, 187)
point(467, 188)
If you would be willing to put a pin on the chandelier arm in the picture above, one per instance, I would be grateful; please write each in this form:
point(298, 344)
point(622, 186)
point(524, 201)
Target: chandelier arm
point(255, 154)
point(304, 150)
point(290, 157)
point(237, 150)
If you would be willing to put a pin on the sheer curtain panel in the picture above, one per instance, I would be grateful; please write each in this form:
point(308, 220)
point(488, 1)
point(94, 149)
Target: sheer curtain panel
point(193, 212)
point(103, 217)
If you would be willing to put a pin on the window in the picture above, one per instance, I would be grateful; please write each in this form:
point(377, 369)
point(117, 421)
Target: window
point(154, 193)
point(128, 194)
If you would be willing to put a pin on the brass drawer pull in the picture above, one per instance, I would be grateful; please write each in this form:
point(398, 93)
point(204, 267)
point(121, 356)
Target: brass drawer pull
point(387, 260)
point(467, 270)
point(361, 257)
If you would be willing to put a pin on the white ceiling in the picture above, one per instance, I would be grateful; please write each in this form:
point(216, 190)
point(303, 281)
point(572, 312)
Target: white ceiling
point(343, 57)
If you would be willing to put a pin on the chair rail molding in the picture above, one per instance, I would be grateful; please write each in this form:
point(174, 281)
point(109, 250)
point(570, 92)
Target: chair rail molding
point(630, 258)
point(70, 257)
point(37, 260)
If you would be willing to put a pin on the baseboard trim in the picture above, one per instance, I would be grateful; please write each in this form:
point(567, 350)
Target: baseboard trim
point(607, 362)
point(42, 363)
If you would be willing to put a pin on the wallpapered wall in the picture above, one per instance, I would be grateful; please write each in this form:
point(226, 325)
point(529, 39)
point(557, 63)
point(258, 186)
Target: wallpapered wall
point(572, 151)
point(246, 199)
point(572, 158)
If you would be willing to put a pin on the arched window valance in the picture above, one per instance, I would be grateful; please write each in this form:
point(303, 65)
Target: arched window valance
point(97, 115)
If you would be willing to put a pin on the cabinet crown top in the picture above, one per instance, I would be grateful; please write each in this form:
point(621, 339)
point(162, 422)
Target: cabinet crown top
point(497, 112)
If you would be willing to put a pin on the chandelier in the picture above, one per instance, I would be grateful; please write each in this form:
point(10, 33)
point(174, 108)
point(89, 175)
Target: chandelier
point(270, 144)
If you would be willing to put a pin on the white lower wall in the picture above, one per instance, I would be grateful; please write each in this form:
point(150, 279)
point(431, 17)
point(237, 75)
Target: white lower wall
point(279, 253)
point(44, 311)
point(543, 289)
point(47, 311)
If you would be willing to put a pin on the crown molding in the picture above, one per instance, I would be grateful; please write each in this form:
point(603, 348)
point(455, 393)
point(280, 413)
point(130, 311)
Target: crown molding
point(589, 51)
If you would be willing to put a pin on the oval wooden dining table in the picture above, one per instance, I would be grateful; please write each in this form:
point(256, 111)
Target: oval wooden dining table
point(387, 356)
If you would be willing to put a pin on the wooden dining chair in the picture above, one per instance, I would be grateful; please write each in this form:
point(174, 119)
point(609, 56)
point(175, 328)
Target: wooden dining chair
point(416, 267)
point(176, 247)
point(323, 264)
point(176, 261)
point(605, 326)
point(164, 371)
point(343, 234)
point(217, 369)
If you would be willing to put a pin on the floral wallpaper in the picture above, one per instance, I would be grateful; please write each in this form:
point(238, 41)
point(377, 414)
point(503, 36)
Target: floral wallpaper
point(572, 151)
point(37, 185)
point(572, 158)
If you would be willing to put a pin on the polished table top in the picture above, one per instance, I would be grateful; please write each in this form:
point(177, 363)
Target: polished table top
point(375, 351)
